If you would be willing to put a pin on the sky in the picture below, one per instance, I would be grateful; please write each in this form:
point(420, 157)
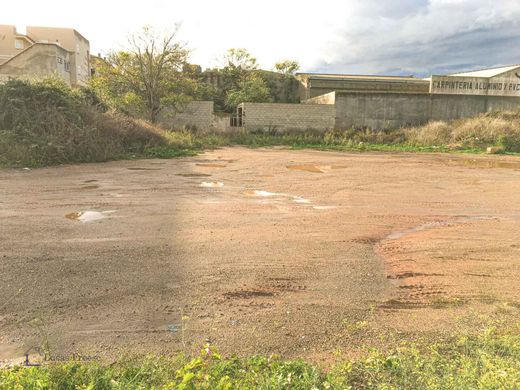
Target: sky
point(394, 37)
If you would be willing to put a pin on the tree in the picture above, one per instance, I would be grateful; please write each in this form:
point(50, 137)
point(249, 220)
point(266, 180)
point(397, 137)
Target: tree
point(147, 77)
point(289, 86)
point(241, 81)
point(252, 89)
point(287, 67)
point(237, 66)
point(239, 60)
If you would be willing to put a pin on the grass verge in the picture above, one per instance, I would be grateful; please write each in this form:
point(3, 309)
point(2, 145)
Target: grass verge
point(490, 360)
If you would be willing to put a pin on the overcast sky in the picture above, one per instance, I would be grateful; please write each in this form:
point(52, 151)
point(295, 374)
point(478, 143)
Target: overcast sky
point(417, 37)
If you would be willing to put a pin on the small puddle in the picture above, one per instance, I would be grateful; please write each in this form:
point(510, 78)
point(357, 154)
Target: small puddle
point(315, 168)
point(90, 181)
point(260, 193)
point(212, 184)
point(88, 216)
point(267, 194)
point(193, 174)
point(298, 199)
point(211, 165)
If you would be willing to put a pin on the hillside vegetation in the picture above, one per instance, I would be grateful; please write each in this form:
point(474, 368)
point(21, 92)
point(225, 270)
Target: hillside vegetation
point(47, 123)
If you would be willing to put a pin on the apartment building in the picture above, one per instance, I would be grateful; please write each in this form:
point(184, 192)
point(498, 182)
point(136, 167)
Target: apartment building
point(43, 52)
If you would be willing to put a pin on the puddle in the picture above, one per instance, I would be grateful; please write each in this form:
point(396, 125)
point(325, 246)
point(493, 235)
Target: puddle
point(315, 168)
point(90, 181)
point(298, 199)
point(193, 174)
point(474, 163)
point(306, 168)
point(212, 184)
point(211, 165)
point(143, 169)
point(260, 193)
point(267, 194)
point(88, 216)
point(435, 225)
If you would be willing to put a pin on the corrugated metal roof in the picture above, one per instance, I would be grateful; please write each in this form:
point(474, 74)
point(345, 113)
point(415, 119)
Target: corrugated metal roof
point(491, 72)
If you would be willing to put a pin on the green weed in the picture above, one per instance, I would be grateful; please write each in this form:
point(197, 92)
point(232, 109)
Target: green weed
point(490, 360)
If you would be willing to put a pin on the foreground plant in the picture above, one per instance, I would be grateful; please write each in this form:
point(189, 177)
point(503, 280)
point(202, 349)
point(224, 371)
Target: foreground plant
point(488, 361)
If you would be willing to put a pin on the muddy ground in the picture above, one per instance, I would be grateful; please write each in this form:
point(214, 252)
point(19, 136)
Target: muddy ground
point(300, 253)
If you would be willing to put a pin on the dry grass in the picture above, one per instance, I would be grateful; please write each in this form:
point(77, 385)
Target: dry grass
point(431, 134)
point(490, 129)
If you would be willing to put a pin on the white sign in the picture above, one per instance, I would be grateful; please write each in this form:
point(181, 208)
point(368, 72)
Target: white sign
point(494, 86)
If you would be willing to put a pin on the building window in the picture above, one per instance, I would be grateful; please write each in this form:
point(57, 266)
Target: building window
point(67, 66)
point(18, 44)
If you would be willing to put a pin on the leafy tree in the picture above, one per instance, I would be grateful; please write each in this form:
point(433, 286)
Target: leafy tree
point(287, 67)
point(253, 88)
point(240, 58)
point(287, 88)
point(147, 77)
point(241, 81)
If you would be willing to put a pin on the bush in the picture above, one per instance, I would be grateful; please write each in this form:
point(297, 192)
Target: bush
point(47, 123)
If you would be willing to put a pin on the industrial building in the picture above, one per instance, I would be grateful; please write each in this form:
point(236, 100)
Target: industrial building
point(386, 102)
point(367, 102)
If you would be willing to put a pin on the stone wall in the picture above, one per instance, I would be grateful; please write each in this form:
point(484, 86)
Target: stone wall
point(278, 116)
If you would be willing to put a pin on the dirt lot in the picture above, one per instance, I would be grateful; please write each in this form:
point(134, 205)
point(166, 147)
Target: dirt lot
point(301, 253)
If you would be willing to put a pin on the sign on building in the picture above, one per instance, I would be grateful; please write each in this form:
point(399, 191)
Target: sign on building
point(507, 84)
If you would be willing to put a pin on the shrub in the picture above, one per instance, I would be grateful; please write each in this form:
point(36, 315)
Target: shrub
point(47, 123)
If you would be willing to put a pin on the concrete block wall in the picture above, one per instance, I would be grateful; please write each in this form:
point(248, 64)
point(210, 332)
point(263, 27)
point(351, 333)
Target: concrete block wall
point(449, 107)
point(196, 114)
point(278, 116)
point(381, 111)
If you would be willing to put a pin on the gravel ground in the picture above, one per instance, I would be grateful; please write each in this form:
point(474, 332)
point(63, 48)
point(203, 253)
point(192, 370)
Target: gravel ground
point(299, 253)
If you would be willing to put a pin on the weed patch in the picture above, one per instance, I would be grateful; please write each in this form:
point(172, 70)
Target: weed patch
point(490, 360)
